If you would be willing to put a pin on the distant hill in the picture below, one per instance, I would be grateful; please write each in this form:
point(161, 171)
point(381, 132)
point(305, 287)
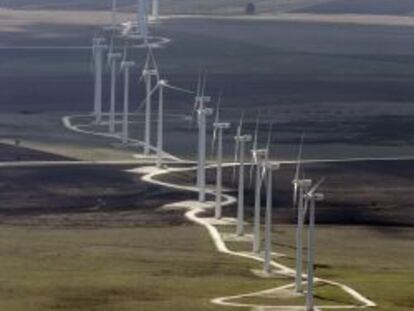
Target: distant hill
point(229, 7)
point(168, 6)
point(382, 7)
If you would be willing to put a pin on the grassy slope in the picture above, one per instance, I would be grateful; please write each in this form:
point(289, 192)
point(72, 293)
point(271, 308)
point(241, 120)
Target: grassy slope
point(376, 261)
point(117, 269)
point(122, 269)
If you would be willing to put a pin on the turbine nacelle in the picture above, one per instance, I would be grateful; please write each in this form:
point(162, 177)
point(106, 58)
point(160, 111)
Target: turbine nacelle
point(271, 166)
point(260, 154)
point(150, 72)
point(221, 125)
point(203, 99)
point(243, 138)
point(162, 82)
point(317, 196)
point(205, 111)
point(304, 183)
point(127, 64)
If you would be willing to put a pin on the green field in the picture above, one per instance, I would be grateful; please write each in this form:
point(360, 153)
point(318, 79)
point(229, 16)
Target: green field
point(177, 268)
point(149, 268)
point(375, 261)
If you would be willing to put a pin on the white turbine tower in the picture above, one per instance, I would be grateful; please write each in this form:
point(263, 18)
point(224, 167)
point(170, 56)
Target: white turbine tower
point(218, 134)
point(150, 70)
point(300, 187)
point(239, 156)
point(155, 9)
point(311, 198)
point(160, 130)
point(254, 147)
point(268, 177)
point(260, 157)
point(142, 20)
point(202, 113)
point(113, 59)
point(113, 14)
point(126, 66)
point(98, 49)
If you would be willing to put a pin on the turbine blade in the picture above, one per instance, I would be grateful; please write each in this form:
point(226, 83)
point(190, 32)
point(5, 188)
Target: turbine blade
point(147, 60)
point(236, 159)
point(254, 158)
point(144, 101)
point(263, 173)
point(179, 89)
point(154, 61)
point(305, 208)
point(203, 90)
point(199, 84)
point(213, 141)
point(218, 109)
point(240, 128)
point(216, 120)
point(233, 177)
point(125, 56)
point(297, 170)
point(316, 186)
point(299, 157)
point(295, 194)
point(269, 140)
point(256, 131)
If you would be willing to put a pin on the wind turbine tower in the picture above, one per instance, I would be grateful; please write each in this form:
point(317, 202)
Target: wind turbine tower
point(311, 198)
point(160, 130)
point(241, 141)
point(219, 127)
point(268, 175)
point(113, 14)
point(126, 66)
point(300, 187)
point(260, 156)
point(155, 9)
point(98, 49)
point(113, 59)
point(142, 20)
point(148, 73)
point(202, 112)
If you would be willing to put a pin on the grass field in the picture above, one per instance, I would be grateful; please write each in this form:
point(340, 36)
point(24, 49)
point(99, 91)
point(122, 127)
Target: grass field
point(155, 268)
point(376, 261)
point(147, 268)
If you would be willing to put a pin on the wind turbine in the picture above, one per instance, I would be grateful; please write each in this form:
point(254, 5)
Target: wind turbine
point(240, 148)
point(311, 198)
point(113, 59)
point(202, 113)
point(268, 168)
point(155, 9)
point(149, 71)
point(260, 158)
point(300, 187)
point(97, 52)
point(126, 66)
point(162, 84)
point(218, 134)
